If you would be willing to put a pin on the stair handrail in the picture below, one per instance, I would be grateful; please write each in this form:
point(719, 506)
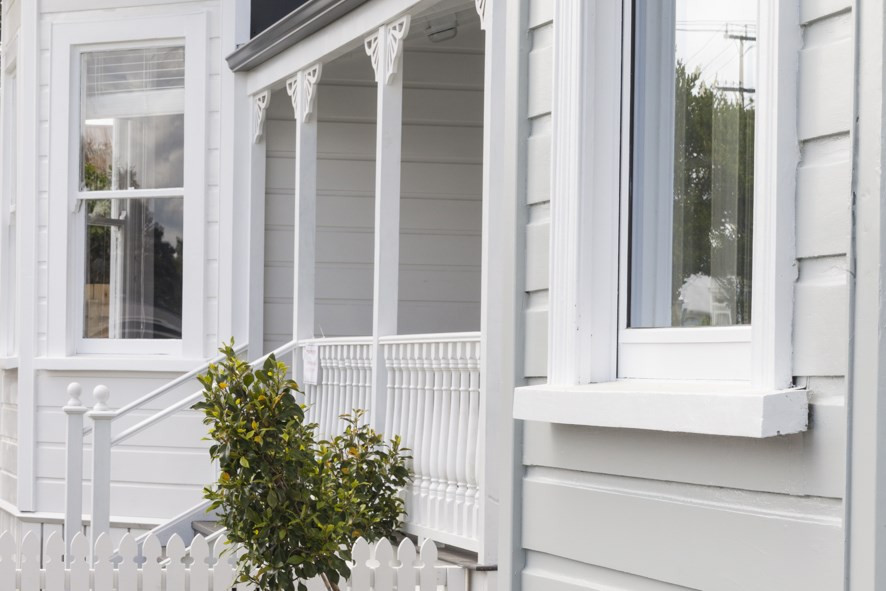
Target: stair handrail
point(190, 400)
point(103, 443)
point(186, 377)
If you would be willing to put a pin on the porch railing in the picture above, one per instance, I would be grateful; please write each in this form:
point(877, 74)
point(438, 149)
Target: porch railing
point(345, 382)
point(433, 403)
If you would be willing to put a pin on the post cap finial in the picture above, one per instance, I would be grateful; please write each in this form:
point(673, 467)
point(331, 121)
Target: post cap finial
point(75, 390)
point(101, 395)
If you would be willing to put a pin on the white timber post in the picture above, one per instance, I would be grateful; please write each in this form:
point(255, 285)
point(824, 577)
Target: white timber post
point(256, 295)
point(497, 300)
point(302, 89)
point(74, 410)
point(385, 49)
point(101, 417)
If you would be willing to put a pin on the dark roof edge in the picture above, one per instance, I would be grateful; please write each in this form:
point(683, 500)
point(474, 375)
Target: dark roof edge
point(289, 30)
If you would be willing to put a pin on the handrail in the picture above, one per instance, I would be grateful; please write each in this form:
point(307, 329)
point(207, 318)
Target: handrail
point(190, 400)
point(336, 341)
point(136, 404)
point(442, 337)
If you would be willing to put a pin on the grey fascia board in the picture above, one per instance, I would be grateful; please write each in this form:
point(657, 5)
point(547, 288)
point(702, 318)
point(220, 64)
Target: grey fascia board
point(292, 28)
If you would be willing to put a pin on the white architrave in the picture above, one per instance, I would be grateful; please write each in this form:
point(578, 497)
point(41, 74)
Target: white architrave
point(261, 101)
point(302, 89)
point(385, 49)
point(585, 190)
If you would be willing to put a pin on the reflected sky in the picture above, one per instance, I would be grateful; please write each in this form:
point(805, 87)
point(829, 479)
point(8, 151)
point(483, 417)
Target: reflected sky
point(702, 41)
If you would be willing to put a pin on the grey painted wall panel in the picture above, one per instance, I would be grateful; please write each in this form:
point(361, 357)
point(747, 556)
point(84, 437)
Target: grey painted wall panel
point(823, 209)
point(811, 463)
point(691, 536)
point(545, 572)
point(825, 90)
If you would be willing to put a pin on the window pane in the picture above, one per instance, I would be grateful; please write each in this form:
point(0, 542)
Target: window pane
point(693, 163)
point(132, 121)
point(133, 269)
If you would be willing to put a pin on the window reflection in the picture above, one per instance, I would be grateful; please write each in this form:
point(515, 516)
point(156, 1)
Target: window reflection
point(693, 163)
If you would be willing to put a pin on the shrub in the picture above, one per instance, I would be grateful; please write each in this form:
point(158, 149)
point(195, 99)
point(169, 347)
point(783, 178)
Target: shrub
point(294, 504)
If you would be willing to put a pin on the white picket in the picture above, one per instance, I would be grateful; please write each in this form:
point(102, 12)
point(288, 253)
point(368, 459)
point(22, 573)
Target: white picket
point(199, 570)
point(222, 572)
point(406, 572)
point(428, 571)
point(175, 568)
point(7, 561)
point(54, 562)
point(374, 568)
point(384, 572)
point(127, 570)
point(29, 562)
point(360, 572)
point(103, 575)
point(151, 570)
point(79, 564)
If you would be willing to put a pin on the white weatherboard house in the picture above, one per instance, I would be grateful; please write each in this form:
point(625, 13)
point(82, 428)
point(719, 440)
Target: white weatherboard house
point(614, 269)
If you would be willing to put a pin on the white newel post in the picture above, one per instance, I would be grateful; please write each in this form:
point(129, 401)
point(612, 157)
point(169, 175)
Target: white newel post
point(74, 410)
point(302, 89)
point(385, 49)
point(101, 417)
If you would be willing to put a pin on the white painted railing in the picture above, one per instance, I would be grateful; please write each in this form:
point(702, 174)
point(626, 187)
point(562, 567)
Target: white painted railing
point(103, 441)
point(433, 403)
point(201, 567)
point(344, 384)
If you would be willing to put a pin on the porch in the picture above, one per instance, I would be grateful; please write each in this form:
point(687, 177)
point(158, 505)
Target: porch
point(367, 209)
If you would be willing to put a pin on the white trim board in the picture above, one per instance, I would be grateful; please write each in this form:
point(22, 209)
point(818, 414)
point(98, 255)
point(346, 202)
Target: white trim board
point(711, 408)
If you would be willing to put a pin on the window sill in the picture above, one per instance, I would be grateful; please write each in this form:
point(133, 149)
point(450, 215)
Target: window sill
point(143, 363)
point(8, 363)
point(711, 408)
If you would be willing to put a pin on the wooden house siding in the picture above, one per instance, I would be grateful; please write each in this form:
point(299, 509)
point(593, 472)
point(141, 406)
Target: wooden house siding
point(631, 509)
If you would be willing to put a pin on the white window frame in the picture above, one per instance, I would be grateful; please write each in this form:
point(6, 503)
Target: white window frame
point(67, 217)
point(592, 77)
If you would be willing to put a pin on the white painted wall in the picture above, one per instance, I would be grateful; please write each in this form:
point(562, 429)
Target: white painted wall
point(630, 509)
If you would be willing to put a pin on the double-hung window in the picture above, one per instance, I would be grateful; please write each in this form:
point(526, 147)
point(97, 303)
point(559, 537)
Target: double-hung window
point(687, 246)
point(131, 186)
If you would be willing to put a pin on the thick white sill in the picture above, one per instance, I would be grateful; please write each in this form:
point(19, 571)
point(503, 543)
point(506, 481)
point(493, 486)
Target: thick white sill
point(711, 408)
point(8, 363)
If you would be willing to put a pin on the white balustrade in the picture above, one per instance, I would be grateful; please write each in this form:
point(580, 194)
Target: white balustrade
point(200, 567)
point(344, 384)
point(434, 405)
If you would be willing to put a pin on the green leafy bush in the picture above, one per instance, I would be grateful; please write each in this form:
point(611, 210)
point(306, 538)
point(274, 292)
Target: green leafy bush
point(295, 504)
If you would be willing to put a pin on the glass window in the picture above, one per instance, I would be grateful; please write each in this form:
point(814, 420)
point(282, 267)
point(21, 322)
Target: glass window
point(131, 179)
point(692, 177)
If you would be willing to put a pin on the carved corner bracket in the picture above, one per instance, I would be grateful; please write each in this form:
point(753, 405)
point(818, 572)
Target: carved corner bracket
point(261, 101)
point(387, 42)
point(302, 89)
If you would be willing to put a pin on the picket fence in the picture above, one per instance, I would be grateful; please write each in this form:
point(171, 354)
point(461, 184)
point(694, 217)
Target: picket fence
point(200, 567)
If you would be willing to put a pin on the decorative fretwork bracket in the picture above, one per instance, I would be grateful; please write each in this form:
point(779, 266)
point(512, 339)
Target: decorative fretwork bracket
point(387, 43)
point(262, 100)
point(481, 10)
point(302, 89)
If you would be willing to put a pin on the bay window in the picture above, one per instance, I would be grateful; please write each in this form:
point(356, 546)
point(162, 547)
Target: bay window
point(131, 186)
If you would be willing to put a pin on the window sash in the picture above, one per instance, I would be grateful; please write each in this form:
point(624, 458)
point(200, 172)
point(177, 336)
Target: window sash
point(705, 353)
